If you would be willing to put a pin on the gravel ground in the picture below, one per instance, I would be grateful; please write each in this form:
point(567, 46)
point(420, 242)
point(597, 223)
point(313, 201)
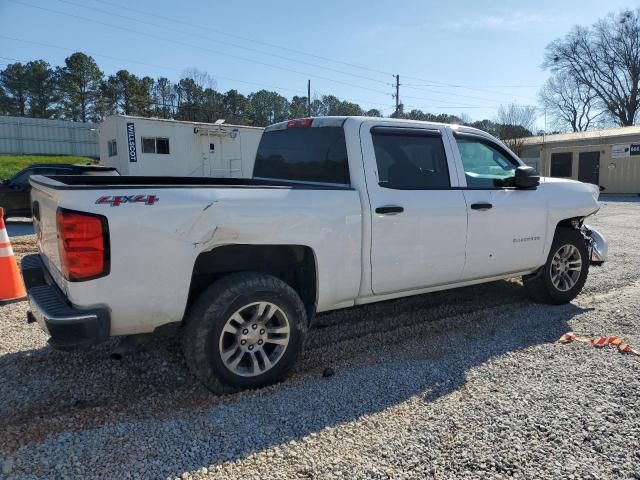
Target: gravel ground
point(470, 383)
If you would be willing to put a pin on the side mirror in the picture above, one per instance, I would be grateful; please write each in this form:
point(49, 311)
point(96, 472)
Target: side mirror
point(526, 177)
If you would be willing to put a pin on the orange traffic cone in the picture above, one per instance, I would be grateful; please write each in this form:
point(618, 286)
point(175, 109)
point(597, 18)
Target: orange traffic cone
point(11, 286)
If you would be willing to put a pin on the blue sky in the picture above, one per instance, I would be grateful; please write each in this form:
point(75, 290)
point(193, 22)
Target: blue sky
point(456, 57)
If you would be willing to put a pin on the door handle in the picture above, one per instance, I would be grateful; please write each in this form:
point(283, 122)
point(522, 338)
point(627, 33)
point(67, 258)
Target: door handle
point(481, 206)
point(390, 209)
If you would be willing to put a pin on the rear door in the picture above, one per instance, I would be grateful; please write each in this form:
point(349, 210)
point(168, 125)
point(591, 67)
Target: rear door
point(418, 221)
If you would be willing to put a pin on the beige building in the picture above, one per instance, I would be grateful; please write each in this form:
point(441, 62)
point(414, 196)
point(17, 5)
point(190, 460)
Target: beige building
point(609, 158)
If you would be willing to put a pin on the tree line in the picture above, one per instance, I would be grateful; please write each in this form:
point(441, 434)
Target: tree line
point(80, 91)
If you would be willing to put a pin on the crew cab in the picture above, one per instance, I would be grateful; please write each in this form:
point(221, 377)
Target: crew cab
point(15, 191)
point(341, 211)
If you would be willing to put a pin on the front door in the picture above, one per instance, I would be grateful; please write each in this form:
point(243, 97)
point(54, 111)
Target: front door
point(418, 222)
point(507, 226)
point(589, 167)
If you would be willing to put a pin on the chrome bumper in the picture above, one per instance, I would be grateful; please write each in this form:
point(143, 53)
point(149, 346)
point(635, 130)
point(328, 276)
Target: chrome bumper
point(598, 246)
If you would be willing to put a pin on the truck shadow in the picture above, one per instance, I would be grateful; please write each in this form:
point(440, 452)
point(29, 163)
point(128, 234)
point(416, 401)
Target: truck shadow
point(383, 354)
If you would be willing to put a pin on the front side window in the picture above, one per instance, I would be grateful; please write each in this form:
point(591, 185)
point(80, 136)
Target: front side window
point(410, 160)
point(485, 165)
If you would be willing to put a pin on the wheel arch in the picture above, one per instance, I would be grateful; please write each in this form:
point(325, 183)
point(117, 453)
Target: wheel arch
point(296, 265)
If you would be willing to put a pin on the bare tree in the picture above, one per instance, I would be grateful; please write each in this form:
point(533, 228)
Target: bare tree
point(605, 58)
point(514, 123)
point(570, 103)
point(201, 78)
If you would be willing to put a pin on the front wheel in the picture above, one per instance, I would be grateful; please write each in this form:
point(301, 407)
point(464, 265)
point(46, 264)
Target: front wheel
point(244, 331)
point(561, 279)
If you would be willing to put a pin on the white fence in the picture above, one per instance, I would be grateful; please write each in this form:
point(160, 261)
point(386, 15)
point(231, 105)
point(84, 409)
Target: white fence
point(30, 136)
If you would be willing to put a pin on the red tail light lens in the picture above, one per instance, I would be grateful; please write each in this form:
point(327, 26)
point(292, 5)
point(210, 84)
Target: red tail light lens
point(83, 242)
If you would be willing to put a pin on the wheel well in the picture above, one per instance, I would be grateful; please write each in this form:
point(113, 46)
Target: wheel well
point(293, 264)
point(574, 223)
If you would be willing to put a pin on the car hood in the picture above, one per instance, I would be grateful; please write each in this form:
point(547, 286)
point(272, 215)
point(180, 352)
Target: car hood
point(567, 192)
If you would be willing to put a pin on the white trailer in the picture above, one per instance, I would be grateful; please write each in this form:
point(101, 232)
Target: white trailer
point(158, 147)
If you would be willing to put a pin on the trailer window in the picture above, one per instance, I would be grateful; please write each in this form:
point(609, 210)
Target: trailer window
point(162, 146)
point(313, 154)
point(158, 145)
point(113, 148)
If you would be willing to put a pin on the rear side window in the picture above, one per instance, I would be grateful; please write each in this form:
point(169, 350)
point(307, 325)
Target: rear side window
point(312, 154)
point(411, 160)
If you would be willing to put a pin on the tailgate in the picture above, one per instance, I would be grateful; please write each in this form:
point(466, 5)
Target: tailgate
point(44, 204)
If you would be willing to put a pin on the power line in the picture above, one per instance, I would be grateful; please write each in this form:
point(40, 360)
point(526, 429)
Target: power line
point(235, 45)
point(217, 52)
point(474, 97)
point(300, 52)
point(358, 101)
point(240, 37)
point(162, 67)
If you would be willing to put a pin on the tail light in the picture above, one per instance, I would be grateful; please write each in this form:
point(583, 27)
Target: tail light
point(300, 122)
point(83, 243)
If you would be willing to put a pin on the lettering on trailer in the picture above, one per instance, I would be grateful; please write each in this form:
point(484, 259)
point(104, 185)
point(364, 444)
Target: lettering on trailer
point(635, 149)
point(131, 142)
point(117, 200)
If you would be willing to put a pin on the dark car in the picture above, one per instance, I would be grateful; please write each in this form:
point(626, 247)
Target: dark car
point(15, 192)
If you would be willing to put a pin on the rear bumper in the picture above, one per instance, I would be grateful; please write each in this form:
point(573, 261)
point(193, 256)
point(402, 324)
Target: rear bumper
point(69, 328)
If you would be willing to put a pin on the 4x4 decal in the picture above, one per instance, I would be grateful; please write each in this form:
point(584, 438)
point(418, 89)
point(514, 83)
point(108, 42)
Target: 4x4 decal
point(116, 200)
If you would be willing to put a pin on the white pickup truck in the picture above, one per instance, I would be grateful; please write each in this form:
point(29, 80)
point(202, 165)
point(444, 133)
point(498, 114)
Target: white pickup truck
point(341, 211)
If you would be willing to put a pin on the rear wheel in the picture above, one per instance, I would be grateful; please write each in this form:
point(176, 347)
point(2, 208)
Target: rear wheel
point(244, 331)
point(561, 279)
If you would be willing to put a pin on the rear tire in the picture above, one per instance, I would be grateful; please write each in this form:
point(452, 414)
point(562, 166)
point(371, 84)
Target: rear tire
point(564, 274)
point(244, 331)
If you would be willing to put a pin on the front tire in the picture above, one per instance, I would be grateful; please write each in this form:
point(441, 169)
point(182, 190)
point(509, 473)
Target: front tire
point(244, 331)
point(564, 274)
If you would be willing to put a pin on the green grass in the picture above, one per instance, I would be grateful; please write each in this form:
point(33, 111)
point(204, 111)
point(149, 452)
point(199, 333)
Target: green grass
point(10, 164)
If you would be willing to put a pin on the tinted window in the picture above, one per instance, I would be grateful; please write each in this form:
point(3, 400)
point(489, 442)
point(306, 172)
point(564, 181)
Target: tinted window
point(22, 178)
point(485, 164)
point(162, 145)
point(312, 154)
point(411, 160)
point(561, 164)
point(148, 145)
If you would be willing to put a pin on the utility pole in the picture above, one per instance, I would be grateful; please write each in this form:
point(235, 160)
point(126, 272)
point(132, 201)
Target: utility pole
point(308, 98)
point(397, 95)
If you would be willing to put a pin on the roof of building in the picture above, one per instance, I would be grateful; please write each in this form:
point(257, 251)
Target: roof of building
point(588, 135)
point(171, 120)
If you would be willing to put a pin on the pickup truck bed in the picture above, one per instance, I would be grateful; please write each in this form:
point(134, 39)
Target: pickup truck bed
point(82, 182)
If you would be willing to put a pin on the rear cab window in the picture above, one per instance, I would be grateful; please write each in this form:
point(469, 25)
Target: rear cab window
point(298, 151)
